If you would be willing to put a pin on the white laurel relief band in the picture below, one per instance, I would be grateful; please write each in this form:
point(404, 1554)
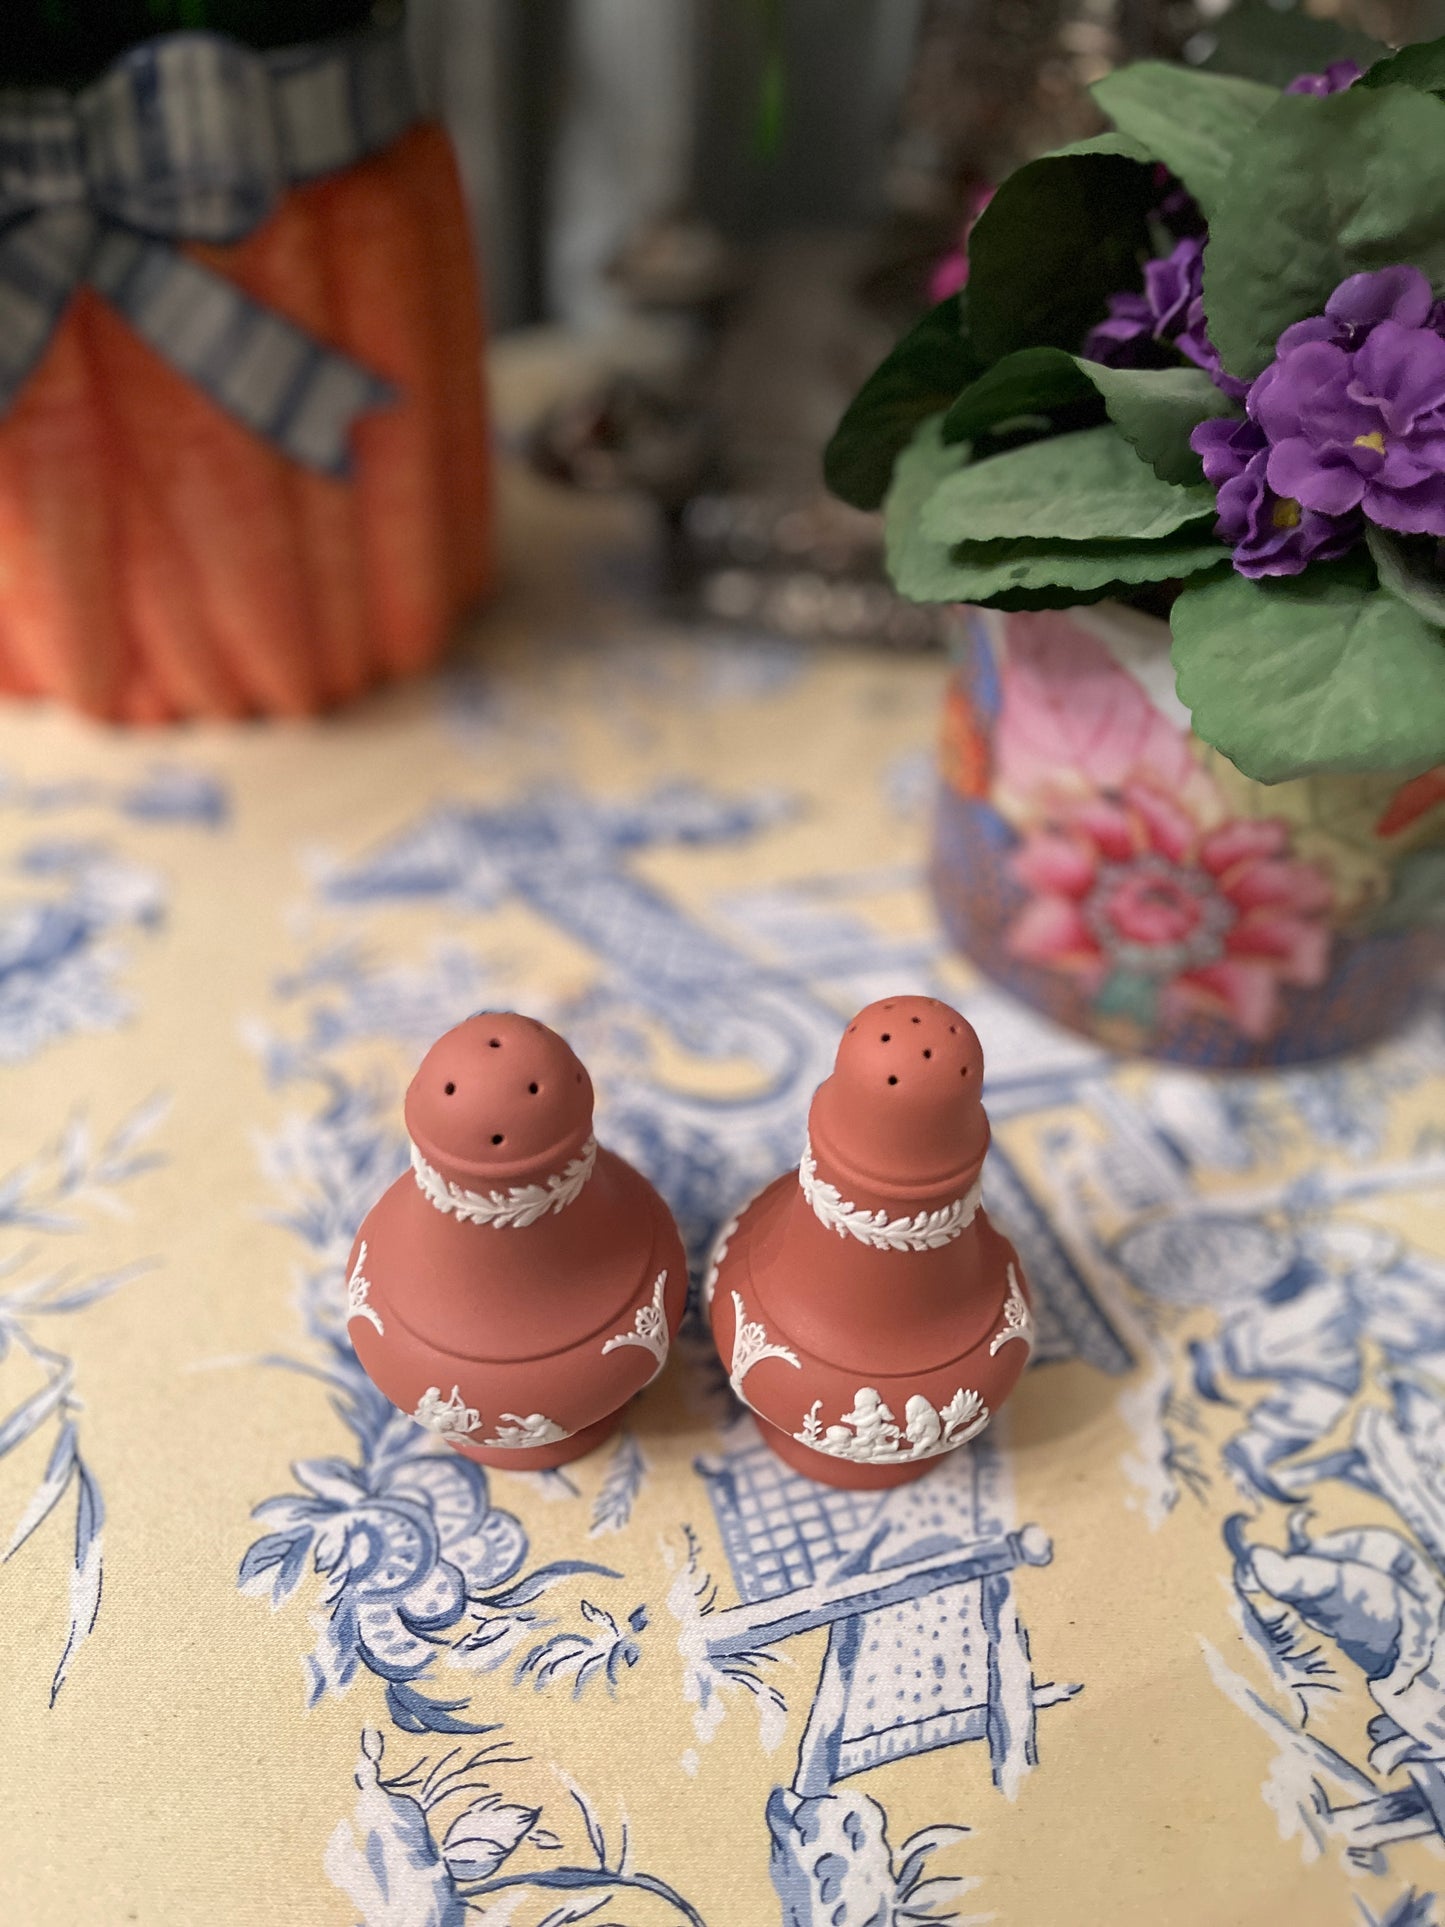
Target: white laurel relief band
point(453, 1418)
point(870, 1435)
point(515, 1209)
point(1018, 1320)
point(358, 1288)
point(649, 1328)
point(715, 1259)
point(751, 1347)
point(928, 1231)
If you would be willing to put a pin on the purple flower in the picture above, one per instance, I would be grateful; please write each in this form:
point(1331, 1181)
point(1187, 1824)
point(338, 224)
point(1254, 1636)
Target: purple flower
point(1171, 286)
point(1362, 302)
point(1339, 75)
point(1270, 534)
point(1347, 423)
point(1170, 310)
point(1121, 339)
point(1361, 428)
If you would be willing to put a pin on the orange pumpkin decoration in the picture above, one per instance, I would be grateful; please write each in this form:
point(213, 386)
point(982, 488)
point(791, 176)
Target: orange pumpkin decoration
point(159, 560)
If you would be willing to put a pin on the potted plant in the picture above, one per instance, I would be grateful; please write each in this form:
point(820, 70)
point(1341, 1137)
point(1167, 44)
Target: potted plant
point(243, 458)
point(1197, 371)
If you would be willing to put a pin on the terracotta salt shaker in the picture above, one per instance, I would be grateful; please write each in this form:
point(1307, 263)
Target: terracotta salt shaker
point(520, 1283)
point(868, 1312)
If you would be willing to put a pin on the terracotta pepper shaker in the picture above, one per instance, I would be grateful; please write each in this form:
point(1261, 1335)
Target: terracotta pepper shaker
point(519, 1284)
point(868, 1312)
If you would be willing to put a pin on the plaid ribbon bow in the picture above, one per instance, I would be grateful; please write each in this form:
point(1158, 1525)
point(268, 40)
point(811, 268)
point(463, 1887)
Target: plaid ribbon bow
point(193, 137)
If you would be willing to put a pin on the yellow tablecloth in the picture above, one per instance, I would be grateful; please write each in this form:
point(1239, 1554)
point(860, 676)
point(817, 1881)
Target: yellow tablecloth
point(270, 1659)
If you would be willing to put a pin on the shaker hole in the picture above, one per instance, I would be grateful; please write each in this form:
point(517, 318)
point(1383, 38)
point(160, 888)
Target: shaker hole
point(884, 1038)
point(532, 1089)
point(497, 1138)
point(451, 1090)
point(928, 1053)
point(893, 1080)
point(495, 1042)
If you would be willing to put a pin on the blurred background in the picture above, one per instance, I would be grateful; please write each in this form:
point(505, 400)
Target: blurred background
point(729, 209)
point(701, 223)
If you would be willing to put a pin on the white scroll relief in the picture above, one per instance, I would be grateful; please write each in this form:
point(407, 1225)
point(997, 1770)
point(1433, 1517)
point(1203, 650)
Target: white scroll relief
point(927, 1231)
point(452, 1417)
point(532, 1430)
point(1018, 1320)
point(649, 1329)
point(751, 1347)
point(714, 1264)
point(514, 1209)
point(871, 1435)
point(358, 1287)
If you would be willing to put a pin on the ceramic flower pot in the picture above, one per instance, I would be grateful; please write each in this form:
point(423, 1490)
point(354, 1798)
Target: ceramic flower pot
point(866, 1309)
point(1106, 866)
point(519, 1284)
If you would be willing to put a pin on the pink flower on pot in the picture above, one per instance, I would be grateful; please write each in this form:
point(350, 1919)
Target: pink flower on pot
point(1152, 908)
point(1073, 721)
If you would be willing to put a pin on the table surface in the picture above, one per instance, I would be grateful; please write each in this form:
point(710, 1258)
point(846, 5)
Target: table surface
point(271, 1659)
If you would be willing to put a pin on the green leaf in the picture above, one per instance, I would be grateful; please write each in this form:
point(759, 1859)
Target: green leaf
point(1421, 66)
point(1044, 575)
point(922, 375)
point(1257, 39)
point(1018, 573)
point(1089, 486)
point(1060, 236)
point(1314, 672)
point(1194, 123)
point(1409, 567)
point(1157, 409)
point(1322, 189)
point(1031, 381)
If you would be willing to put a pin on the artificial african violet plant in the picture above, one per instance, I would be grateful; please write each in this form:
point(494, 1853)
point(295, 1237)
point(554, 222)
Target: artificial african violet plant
point(1199, 362)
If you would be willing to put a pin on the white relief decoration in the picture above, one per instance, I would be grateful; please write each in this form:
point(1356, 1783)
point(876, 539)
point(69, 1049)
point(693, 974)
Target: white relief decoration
point(1018, 1320)
point(453, 1418)
point(871, 1435)
point(514, 1209)
point(519, 1433)
point(714, 1266)
point(928, 1231)
point(751, 1347)
point(358, 1285)
point(649, 1329)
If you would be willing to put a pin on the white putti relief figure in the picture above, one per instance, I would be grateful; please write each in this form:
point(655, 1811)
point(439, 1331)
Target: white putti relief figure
point(922, 1424)
point(451, 1417)
point(875, 1435)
